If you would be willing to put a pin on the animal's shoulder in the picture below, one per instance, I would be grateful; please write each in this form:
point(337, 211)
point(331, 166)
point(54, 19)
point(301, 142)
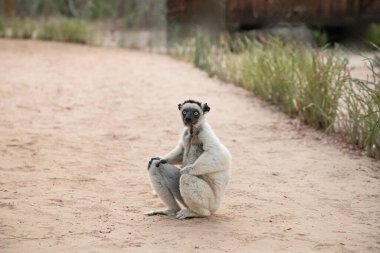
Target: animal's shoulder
point(206, 134)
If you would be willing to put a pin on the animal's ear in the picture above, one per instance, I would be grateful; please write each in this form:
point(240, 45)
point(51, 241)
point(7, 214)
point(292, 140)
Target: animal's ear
point(179, 106)
point(205, 108)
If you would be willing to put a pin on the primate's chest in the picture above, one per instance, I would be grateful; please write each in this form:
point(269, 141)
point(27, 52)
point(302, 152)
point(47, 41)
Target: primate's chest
point(193, 148)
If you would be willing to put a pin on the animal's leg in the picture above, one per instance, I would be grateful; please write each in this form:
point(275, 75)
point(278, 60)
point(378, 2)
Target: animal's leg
point(154, 193)
point(165, 181)
point(197, 195)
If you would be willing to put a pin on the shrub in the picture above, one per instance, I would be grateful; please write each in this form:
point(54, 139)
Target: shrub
point(66, 30)
point(18, 28)
point(202, 53)
point(2, 27)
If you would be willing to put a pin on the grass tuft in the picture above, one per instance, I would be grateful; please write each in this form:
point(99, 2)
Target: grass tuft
point(2, 27)
point(321, 77)
point(300, 80)
point(361, 115)
point(17, 28)
point(69, 30)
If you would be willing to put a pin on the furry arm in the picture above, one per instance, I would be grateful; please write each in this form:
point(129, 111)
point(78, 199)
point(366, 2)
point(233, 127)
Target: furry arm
point(175, 156)
point(207, 163)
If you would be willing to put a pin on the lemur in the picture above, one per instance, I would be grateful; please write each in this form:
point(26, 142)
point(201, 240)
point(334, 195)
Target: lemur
point(200, 183)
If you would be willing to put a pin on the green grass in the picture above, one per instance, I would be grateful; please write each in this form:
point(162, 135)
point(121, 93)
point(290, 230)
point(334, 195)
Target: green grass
point(201, 55)
point(373, 34)
point(321, 77)
point(300, 80)
point(321, 37)
point(311, 84)
point(361, 114)
point(273, 60)
point(69, 30)
point(2, 27)
point(17, 28)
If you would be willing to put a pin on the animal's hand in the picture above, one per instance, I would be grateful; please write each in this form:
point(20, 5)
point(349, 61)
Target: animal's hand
point(185, 170)
point(160, 161)
point(151, 161)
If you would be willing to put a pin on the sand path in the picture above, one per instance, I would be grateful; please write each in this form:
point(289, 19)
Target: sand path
point(78, 124)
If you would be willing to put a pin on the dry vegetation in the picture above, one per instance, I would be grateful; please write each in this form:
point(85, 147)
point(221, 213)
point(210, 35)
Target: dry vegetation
point(302, 81)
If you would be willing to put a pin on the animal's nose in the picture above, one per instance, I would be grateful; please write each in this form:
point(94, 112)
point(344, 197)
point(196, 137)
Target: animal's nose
point(188, 120)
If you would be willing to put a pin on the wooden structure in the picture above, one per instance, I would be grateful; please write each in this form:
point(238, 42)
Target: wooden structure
point(245, 14)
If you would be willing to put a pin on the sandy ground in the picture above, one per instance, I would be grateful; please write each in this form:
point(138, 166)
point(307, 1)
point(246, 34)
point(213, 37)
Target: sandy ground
point(78, 125)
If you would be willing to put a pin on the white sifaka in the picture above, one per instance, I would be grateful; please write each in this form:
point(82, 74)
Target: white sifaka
point(205, 168)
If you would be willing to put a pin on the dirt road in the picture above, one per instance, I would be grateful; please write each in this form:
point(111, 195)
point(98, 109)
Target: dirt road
point(78, 124)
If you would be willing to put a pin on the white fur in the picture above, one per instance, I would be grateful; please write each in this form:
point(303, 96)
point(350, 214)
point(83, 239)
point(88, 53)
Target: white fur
point(204, 176)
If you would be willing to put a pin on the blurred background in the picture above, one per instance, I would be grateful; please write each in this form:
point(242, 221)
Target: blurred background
point(151, 24)
point(131, 23)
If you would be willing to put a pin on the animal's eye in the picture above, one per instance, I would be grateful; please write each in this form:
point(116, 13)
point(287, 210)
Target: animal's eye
point(196, 113)
point(183, 112)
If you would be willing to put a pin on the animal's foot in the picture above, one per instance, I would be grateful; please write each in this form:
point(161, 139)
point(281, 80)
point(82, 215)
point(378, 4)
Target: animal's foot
point(161, 161)
point(186, 213)
point(161, 212)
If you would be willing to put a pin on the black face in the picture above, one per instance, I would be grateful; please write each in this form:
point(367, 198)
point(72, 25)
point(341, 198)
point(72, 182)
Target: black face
point(190, 116)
